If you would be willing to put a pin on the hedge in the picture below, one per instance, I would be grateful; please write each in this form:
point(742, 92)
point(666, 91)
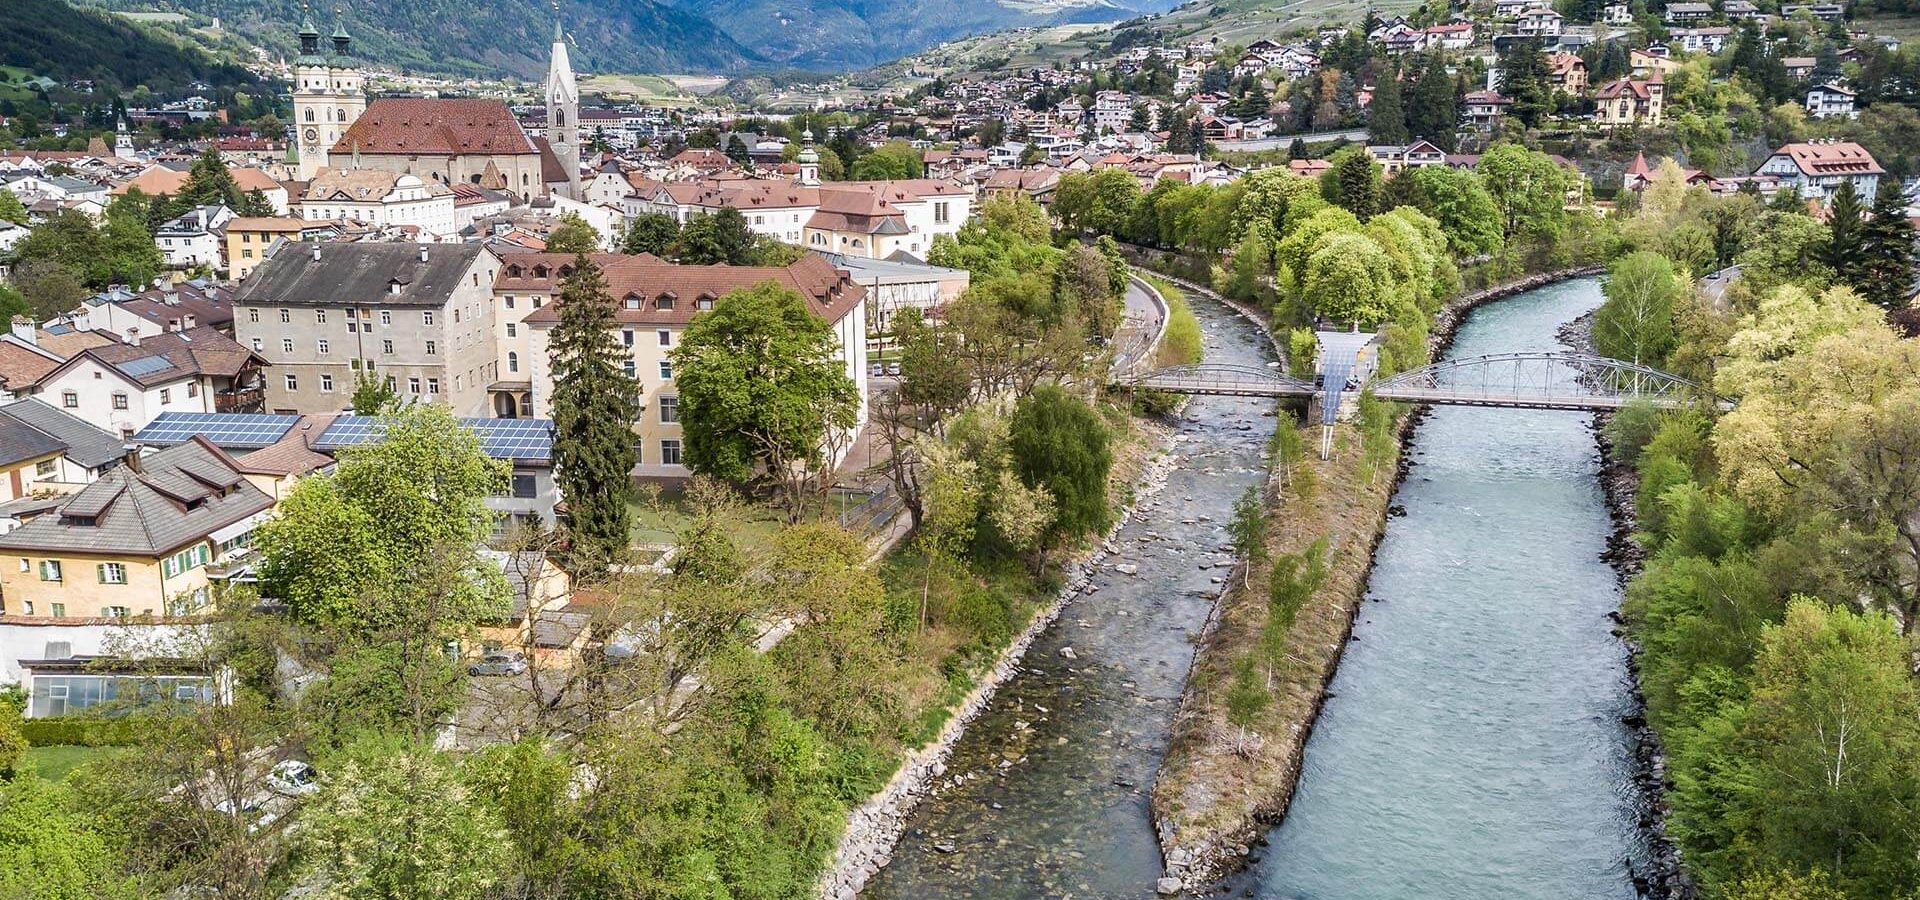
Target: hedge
point(81, 731)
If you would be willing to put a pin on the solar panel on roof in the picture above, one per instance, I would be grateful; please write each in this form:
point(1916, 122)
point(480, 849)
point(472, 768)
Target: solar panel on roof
point(145, 365)
point(529, 439)
point(231, 431)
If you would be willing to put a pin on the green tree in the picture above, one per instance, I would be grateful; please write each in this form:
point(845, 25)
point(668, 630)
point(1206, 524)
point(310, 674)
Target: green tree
point(347, 548)
point(1060, 444)
point(1833, 704)
point(208, 183)
point(893, 161)
point(11, 209)
point(1885, 273)
point(48, 849)
point(1348, 279)
point(1353, 183)
point(763, 391)
point(1386, 119)
point(372, 395)
point(653, 233)
point(595, 404)
point(1528, 188)
point(1435, 111)
point(1636, 321)
point(397, 823)
point(573, 235)
point(721, 237)
point(1458, 199)
point(1845, 250)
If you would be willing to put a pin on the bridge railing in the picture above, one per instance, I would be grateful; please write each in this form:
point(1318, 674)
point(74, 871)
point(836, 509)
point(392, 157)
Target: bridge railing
point(1553, 379)
point(1217, 378)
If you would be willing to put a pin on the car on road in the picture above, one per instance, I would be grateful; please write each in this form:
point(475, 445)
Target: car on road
point(293, 778)
point(877, 369)
point(500, 662)
point(893, 368)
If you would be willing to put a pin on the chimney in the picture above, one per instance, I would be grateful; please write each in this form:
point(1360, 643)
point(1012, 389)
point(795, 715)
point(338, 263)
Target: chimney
point(24, 330)
point(133, 457)
point(133, 335)
point(423, 253)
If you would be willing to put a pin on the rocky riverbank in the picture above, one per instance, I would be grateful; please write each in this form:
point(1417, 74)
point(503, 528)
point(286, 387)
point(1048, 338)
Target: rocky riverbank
point(875, 826)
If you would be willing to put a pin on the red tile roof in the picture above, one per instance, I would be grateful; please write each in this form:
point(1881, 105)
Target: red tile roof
point(830, 293)
point(1837, 158)
point(442, 127)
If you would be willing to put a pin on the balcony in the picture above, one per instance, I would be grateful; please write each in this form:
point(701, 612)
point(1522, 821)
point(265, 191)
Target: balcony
point(250, 400)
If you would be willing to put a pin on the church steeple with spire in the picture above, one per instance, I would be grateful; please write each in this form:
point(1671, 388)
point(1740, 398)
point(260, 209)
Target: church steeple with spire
point(563, 108)
point(328, 94)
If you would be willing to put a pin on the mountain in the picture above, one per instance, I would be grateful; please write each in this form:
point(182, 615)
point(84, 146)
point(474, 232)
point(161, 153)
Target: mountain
point(831, 35)
point(52, 38)
point(491, 37)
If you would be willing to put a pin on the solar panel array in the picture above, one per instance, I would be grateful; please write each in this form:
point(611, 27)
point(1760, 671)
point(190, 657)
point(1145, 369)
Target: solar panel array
point(228, 431)
point(527, 439)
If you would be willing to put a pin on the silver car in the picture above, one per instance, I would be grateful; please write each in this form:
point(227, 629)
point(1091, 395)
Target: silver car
point(500, 662)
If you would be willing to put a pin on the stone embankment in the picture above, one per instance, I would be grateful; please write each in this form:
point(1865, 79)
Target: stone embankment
point(874, 827)
point(1220, 790)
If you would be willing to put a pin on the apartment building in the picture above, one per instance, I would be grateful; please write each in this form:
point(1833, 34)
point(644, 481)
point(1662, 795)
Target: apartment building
point(419, 316)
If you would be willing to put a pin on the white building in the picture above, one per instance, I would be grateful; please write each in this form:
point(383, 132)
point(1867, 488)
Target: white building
point(192, 239)
point(1815, 170)
point(380, 198)
point(1831, 101)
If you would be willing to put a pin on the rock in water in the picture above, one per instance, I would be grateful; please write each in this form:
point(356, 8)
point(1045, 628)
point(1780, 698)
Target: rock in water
point(1168, 886)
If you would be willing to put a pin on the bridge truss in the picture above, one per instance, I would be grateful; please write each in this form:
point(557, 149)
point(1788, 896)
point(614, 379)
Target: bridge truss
point(1223, 380)
point(1541, 380)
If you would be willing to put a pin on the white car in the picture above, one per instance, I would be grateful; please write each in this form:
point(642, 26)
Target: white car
point(293, 778)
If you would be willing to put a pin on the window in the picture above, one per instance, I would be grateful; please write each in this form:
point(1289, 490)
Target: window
point(112, 573)
point(432, 350)
point(69, 399)
point(26, 565)
point(319, 317)
point(524, 487)
point(253, 315)
point(704, 303)
point(538, 301)
point(352, 314)
point(193, 388)
point(426, 318)
point(119, 400)
point(627, 366)
point(940, 212)
point(626, 337)
point(393, 384)
point(433, 385)
point(386, 317)
point(513, 362)
point(166, 396)
point(512, 330)
point(286, 316)
point(669, 410)
point(386, 346)
point(669, 452)
point(293, 382)
point(186, 560)
point(46, 467)
point(666, 338)
point(509, 301)
point(286, 345)
point(633, 301)
point(664, 302)
point(326, 383)
point(413, 385)
point(58, 609)
point(323, 346)
point(50, 570)
point(666, 370)
point(257, 346)
point(27, 607)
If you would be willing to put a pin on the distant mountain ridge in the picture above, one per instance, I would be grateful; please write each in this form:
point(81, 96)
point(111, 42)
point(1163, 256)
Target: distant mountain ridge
point(491, 37)
point(52, 38)
point(487, 37)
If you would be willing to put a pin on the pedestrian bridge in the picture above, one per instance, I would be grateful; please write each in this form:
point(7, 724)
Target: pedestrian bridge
point(1530, 380)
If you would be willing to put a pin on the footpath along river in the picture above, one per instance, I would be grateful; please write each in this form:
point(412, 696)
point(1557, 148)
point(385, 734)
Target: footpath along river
point(1054, 775)
point(1473, 746)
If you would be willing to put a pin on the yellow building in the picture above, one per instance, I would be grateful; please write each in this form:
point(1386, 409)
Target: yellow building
point(1629, 101)
point(250, 237)
point(136, 542)
point(45, 452)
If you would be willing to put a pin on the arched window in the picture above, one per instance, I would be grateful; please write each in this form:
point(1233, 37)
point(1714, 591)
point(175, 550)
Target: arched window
point(513, 362)
point(559, 117)
point(341, 113)
point(310, 114)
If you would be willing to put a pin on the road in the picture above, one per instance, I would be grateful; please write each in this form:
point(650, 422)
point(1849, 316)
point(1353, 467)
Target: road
point(1138, 330)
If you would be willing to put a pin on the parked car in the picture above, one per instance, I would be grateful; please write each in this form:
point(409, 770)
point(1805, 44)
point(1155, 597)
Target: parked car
point(878, 369)
point(293, 778)
point(499, 662)
point(893, 368)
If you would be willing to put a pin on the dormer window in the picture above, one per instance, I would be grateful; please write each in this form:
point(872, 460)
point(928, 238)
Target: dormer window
point(513, 271)
point(393, 287)
point(704, 303)
point(541, 271)
point(664, 301)
point(633, 301)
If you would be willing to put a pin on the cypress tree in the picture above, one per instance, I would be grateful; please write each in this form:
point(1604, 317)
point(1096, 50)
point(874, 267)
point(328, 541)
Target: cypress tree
point(594, 406)
point(1845, 222)
point(1886, 272)
point(1386, 119)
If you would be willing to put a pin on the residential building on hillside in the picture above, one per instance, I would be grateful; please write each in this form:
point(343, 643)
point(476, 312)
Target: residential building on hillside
point(1568, 73)
point(1831, 101)
point(136, 542)
point(46, 452)
point(1816, 169)
point(191, 240)
point(1628, 102)
point(419, 316)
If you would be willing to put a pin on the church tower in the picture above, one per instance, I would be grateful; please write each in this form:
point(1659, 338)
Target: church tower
point(563, 109)
point(328, 94)
point(123, 141)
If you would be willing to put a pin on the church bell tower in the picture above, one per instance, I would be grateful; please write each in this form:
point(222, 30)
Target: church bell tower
point(563, 109)
point(328, 94)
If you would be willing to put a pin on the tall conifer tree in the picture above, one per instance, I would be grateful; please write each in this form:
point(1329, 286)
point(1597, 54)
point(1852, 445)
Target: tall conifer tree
point(1886, 272)
point(595, 403)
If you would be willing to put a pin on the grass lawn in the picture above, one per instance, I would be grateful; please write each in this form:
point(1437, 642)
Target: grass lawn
point(53, 763)
point(1906, 28)
point(654, 89)
point(659, 522)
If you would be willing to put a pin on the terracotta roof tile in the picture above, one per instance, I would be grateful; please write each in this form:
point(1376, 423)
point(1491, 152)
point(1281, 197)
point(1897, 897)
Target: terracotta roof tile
point(450, 127)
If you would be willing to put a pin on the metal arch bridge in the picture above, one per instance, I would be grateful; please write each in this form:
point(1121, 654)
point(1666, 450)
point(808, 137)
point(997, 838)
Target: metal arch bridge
point(1528, 380)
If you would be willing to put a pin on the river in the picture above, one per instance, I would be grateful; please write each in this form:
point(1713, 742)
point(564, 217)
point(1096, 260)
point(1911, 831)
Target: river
point(1062, 761)
point(1473, 745)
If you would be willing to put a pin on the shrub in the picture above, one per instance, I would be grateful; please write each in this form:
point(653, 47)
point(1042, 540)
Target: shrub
point(79, 731)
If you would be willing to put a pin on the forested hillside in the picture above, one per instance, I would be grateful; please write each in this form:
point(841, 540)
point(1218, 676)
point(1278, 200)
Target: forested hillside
point(493, 37)
point(52, 38)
